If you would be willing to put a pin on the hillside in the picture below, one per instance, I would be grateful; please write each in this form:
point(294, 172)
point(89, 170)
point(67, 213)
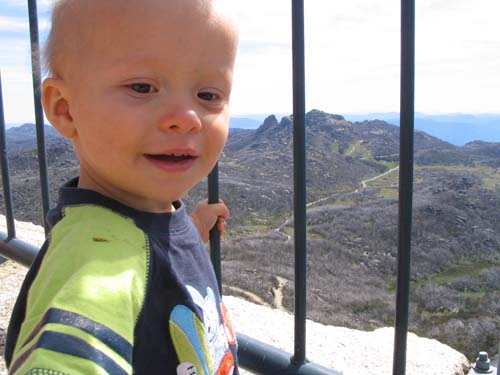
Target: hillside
point(352, 229)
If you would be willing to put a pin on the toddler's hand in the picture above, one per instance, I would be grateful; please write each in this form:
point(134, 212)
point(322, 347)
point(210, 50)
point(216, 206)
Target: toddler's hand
point(204, 216)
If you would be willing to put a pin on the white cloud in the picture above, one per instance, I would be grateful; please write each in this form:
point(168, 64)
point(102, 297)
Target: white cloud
point(353, 55)
point(458, 54)
point(15, 62)
point(41, 4)
point(13, 24)
point(15, 52)
point(17, 91)
point(20, 24)
point(342, 55)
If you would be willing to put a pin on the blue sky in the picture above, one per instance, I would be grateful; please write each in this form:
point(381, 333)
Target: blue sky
point(352, 56)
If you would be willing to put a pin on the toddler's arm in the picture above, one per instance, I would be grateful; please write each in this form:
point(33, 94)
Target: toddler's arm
point(204, 216)
point(85, 301)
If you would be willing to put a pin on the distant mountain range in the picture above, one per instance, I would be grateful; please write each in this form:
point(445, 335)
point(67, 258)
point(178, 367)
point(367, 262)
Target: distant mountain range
point(457, 128)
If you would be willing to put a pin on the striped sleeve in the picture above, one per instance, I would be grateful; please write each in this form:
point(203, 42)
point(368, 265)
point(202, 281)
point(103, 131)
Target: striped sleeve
point(73, 345)
point(85, 300)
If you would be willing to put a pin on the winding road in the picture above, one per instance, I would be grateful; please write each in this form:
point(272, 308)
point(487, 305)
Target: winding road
point(364, 182)
point(364, 185)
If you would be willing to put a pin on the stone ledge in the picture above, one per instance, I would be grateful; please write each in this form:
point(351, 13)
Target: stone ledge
point(348, 351)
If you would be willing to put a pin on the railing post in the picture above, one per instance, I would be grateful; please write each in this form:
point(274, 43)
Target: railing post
point(37, 92)
point(213, 197)
point(9, 214)
point(498, 357)
point(299, 163)
point(405, 182)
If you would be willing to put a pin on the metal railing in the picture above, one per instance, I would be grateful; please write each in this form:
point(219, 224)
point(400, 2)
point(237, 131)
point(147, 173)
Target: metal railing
point(406, 125)
point(253, 355)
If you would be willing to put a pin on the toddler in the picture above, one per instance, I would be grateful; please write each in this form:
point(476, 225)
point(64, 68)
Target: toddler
point(124, 284)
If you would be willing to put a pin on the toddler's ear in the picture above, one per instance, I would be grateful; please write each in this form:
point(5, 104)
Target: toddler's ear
point(56, 105)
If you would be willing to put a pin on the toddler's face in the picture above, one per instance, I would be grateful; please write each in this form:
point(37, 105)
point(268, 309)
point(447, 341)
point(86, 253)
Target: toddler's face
point(148, 99)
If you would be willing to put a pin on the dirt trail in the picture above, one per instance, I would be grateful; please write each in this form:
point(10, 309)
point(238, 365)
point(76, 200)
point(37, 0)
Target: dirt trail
point(364, 185)
point(364, 182)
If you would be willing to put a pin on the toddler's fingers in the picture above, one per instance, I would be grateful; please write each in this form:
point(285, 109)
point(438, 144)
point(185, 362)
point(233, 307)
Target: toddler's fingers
point(221, 226)
point(220, 210)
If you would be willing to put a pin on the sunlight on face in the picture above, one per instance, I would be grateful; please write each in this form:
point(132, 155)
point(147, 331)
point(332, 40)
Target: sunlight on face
point(148, 97)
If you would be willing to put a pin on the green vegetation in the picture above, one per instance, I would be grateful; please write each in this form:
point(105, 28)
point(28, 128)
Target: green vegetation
point(335, 147)
point(250, 229)
point(389, 180)
point(357, 148)
point(391, 284)
point(473, 295)
point(345, 201)
point(489, 176)
point(388, 193)
point(311, 234)
point(436, 317)
point(470, 269)
point(388, 164)
point(232, 163)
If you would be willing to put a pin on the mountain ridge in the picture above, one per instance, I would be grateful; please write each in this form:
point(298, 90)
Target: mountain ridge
point(456, 128)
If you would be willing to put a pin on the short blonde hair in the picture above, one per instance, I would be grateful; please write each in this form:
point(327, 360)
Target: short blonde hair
point(51, 45)
point(69, 31)
point(64, 29)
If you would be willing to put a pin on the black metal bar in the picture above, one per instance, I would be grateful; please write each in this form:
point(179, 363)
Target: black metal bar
point(40, 131)
point(498, 361)
point(213, 197)
point(264, 359)
point(299, 162)
point(405, 182)
point(17, 250)
point(7, 196)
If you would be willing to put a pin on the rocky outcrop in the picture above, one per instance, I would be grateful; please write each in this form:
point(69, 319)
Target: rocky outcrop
point(347, 351)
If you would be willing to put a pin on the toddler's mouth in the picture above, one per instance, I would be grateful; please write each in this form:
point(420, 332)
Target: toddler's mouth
point(173, 158)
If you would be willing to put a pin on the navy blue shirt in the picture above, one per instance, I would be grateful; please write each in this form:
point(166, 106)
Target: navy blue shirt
point(119, 291)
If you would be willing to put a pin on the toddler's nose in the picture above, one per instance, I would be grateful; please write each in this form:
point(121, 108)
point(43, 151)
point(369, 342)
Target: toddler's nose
point(182, 120)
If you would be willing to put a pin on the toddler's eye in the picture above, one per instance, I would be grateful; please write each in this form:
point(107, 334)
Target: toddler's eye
point(208, 96)
point(142, 88)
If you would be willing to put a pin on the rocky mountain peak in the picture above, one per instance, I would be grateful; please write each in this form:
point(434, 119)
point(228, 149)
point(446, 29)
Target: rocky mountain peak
point(268, 123)
point(271, 126)
point(286, 122)
point(316, 116)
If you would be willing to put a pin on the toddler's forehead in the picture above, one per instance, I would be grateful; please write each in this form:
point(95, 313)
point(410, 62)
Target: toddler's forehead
point(79, 25)
point(82, 16)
